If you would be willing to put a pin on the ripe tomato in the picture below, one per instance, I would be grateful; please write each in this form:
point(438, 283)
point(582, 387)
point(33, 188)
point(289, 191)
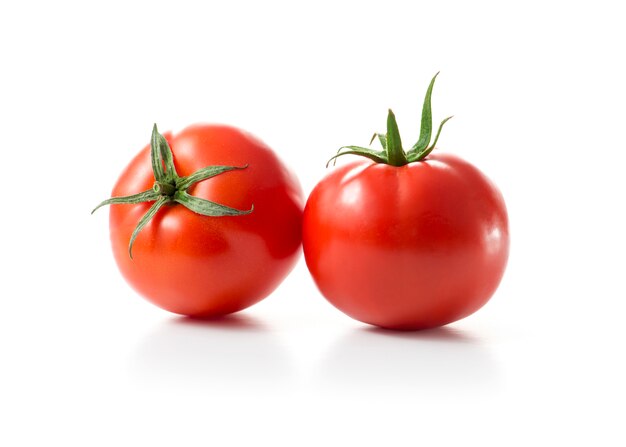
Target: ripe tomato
point(410, 240)
point(201, 265)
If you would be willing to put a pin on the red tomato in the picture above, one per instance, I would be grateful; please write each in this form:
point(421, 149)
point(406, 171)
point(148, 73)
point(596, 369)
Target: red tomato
point(197, 265)
point(410, 240)
point(407, 247)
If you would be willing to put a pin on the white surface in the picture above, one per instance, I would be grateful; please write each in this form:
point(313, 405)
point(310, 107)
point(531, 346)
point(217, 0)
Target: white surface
point(537, 91)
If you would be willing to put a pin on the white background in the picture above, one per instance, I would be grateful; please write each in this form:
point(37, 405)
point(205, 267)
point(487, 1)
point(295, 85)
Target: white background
point(538, 92)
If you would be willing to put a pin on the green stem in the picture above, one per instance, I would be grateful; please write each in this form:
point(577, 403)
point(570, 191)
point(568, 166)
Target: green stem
point(164, 189)
point(393, 154)
point(170, 188)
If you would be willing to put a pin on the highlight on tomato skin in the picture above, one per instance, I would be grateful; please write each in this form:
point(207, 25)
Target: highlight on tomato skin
point(406, 240)
point(205, 222)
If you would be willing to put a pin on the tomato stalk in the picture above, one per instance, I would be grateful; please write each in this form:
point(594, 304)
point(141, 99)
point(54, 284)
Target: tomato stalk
point(393, 154)
point(169, 187)
point(165, 189)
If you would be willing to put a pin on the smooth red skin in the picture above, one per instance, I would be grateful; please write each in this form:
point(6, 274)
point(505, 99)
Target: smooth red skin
point(210, 266)
point(410, 247)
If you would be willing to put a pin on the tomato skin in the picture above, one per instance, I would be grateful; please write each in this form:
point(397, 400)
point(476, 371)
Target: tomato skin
point(209, 266)
point(410, 247)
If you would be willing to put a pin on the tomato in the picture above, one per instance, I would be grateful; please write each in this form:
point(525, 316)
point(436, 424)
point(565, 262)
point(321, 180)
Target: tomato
point(207, 265)
point(406, 240)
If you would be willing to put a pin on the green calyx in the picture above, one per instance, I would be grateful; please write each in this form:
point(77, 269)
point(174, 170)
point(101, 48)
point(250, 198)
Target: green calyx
point(393, 154)
point(171, 188)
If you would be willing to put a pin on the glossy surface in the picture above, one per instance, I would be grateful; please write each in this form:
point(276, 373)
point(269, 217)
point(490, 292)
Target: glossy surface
point(408, 247)
point(205, 266)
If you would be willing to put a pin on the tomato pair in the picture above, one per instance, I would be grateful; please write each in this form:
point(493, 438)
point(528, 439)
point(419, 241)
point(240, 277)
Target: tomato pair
point(209, 221)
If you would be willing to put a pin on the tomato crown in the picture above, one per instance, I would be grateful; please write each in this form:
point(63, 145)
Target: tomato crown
point(393, 154)
point(169, 187)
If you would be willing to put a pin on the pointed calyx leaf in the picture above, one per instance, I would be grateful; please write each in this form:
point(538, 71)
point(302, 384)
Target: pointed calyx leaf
point(426, 128)
point(169, 187)
point(376, 156)
point(424, 153)
point(156, 156)
point(184, 183)
point(206, 207)
point(395, 153)
point(162, 200)
point(392, 153)
point(382, 138)
point(146, 196)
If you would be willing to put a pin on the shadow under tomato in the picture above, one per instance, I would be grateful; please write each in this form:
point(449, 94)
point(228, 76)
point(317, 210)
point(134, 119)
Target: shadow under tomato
point(231, 355)
point(440, 334)
point(437, 362)
point(234, 322)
